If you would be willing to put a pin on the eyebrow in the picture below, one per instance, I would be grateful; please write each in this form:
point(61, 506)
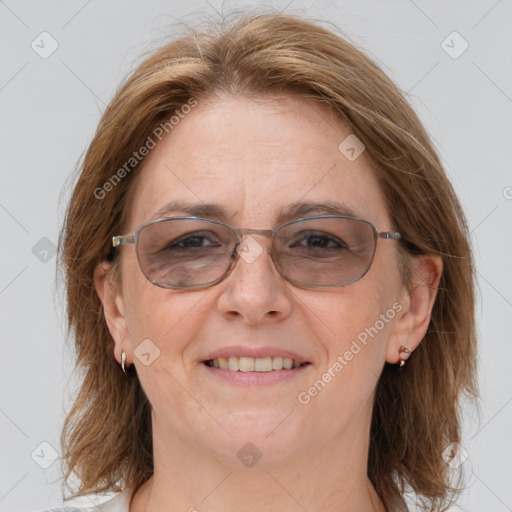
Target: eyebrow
point(285, 214)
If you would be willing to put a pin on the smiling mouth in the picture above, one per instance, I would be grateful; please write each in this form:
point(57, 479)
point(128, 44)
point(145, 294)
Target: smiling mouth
point(254, 364)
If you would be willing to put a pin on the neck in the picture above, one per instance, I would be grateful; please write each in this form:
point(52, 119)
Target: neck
point(329, 476)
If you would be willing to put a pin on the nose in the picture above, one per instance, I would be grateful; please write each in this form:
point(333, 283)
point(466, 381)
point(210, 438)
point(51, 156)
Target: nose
point(255, 290)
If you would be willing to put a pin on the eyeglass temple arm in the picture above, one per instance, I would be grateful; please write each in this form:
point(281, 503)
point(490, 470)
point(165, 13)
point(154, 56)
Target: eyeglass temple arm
point(122, 240)
point(392, 235)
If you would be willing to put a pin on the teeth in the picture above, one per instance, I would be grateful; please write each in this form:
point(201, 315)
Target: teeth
point(245, 364)
point(277, 363)
point(253, 364)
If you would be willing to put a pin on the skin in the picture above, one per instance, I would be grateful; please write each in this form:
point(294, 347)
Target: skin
point(254, 156)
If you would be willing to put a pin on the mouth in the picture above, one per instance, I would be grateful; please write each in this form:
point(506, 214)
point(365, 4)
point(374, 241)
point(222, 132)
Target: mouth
point(254, 364)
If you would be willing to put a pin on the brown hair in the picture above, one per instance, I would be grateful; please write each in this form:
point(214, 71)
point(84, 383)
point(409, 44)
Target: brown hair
point(106, 438)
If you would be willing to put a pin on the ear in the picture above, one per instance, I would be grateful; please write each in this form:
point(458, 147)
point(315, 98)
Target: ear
point(412, 322)
point(113, 309)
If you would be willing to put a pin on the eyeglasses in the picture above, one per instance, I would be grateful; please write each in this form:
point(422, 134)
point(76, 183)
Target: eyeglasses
point(324, 251)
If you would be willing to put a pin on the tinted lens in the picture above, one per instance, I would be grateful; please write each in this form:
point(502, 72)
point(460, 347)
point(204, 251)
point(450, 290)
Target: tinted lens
point(325, 252)
point(183, 253)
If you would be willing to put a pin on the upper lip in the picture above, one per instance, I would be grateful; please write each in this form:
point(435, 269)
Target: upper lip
point(256, 352)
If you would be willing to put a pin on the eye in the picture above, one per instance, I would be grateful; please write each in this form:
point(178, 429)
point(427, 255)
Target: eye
point(200, 240)
point(317, 241)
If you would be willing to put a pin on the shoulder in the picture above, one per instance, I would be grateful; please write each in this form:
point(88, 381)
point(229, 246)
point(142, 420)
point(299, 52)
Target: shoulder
point(118, 503)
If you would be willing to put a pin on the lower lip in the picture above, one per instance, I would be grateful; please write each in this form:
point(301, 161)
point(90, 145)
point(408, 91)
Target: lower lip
point(255, 378)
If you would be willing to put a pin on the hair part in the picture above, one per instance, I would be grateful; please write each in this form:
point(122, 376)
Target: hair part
point(106, 439)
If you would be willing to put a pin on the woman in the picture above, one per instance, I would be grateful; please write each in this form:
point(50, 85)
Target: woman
point(260, 237)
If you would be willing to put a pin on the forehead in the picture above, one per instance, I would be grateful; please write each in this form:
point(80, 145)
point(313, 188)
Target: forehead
point(257, 160)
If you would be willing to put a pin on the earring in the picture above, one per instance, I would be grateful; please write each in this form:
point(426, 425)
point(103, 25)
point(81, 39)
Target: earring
point(123, 360)
point(403, 350)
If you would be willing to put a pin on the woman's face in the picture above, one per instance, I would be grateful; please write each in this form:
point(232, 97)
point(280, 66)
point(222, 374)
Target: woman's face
point(253, 159)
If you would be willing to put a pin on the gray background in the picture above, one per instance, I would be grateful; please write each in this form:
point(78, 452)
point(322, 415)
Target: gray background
point(49, 110)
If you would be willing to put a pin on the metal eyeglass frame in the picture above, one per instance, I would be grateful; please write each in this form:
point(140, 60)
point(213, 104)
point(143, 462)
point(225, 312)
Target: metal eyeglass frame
point(118, 241)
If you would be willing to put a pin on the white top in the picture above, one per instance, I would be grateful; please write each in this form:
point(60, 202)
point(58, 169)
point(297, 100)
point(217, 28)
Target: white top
point(121, 503)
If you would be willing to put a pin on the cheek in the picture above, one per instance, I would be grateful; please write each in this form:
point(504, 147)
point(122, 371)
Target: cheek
point(361, 313)
point(168, 318)
point(357, 328)
point(354, 325)
point(355, 354)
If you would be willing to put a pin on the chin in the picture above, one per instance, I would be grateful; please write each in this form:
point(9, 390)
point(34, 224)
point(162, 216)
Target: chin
point(269, 436)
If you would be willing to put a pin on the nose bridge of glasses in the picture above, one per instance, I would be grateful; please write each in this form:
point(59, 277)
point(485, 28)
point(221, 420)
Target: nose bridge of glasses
point(247, 231)
point(249, 249)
